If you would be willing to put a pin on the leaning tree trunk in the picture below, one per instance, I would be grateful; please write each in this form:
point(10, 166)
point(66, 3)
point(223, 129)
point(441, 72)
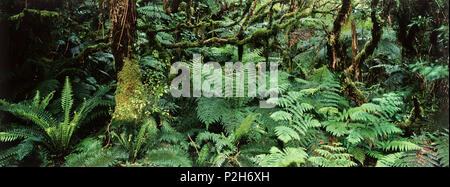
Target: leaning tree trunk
point(129, 86)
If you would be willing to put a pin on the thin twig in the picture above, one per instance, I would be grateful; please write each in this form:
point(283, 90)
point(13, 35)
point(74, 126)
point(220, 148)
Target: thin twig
point(195, 145)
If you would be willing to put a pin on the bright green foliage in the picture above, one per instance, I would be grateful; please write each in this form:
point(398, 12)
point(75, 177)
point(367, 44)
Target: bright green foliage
point(331, 156)
point(89, 153)
point(392, 160)
point(443, 153)
point(430, 72)
point(366, 127)
point(210, 110)
point(54, 133)
point(168, 157)
point(153, 11)
point(220, 148)
point(287, 157)
point(133, 143)
point(363, 89)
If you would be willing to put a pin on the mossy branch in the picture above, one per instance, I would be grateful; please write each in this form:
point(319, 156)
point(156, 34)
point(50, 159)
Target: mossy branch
point(203, 24)
point(34, 13)
point(258, 36)
point(91, 49)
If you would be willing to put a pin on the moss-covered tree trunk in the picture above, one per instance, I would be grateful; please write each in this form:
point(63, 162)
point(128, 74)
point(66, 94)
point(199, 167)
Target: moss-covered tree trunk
point(129, 85)
point(355, 68)
point(334, 48)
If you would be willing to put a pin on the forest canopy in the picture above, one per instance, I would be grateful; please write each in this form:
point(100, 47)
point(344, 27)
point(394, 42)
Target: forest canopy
point(359, 83)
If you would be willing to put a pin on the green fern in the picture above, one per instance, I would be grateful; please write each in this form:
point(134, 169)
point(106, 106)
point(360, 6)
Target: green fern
point(443, 147)
point(153, 11)
point(401, 146)
point(17, 153)
point(134, 144)
point(211, 110)
point(286, 134)
point(277, 158)
point(89, 153)
point(392, 160)
point(55, 133)
point(331, 156)
point(168, 157)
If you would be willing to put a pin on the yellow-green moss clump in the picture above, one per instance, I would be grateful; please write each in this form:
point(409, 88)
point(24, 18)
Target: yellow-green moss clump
point(130, 96)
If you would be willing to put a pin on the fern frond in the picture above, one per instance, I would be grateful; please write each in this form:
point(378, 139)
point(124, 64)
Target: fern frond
point(153, 11)
point(277, 158)
point(281, 116)
point(443, 147)
point(397, 145)
point(16, 133)
point(286, 134)
point(169, 157)
point(210, 110)
point(244, 127)
point(16, 153)
point(392, 160)
point(66, 99)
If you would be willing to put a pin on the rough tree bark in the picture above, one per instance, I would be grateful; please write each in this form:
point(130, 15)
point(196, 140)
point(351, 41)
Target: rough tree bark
point(123, 21)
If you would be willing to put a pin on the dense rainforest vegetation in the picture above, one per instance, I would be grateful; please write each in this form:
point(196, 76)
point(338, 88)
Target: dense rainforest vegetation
point(361, 83)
